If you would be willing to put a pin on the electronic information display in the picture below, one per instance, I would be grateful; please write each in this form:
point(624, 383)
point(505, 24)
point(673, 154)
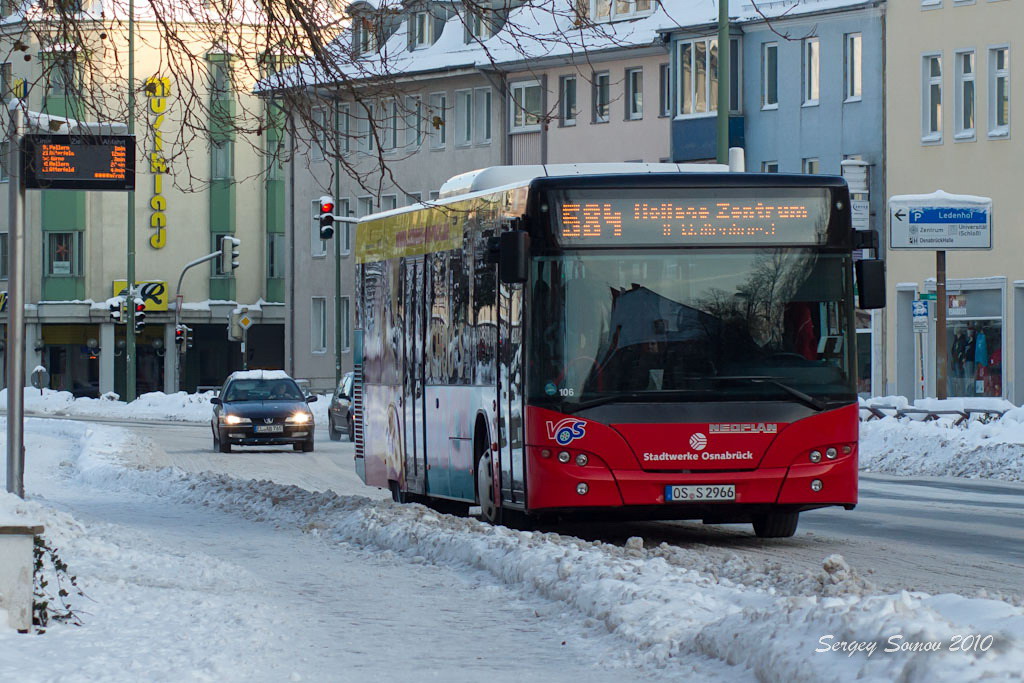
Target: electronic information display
point(78, 162)
point(691, 216)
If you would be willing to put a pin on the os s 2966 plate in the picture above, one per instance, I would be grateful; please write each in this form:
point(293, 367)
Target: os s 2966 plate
point(699, 494)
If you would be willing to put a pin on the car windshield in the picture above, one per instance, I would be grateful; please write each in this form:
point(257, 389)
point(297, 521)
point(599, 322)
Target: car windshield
point(262, 390)
point(703, 325)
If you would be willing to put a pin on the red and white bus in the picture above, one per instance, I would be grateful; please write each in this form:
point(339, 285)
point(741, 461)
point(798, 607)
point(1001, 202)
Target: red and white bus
point(571, 342)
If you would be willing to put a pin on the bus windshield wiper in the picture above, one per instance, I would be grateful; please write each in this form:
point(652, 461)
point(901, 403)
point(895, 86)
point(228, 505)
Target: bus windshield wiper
point(632, 396)
point(804, 398)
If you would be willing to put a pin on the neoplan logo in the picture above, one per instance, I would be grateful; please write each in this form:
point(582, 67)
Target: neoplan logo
point(566, 431)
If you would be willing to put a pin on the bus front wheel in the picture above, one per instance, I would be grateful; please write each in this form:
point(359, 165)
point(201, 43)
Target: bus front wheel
point(489, 510)
point(776, 524)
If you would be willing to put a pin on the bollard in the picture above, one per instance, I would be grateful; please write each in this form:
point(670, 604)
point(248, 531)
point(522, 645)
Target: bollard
point(16, 574)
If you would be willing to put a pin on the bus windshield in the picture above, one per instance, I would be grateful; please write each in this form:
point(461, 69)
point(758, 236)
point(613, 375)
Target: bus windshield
point(708, 325)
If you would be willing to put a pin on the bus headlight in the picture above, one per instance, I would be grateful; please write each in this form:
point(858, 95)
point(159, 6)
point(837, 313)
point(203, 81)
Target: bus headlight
point(582, 488)
point(563, 456)
point(815, 456)
point(831, 454)
point(816, 485)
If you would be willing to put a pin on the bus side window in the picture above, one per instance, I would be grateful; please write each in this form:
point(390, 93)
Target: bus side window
point(458, 344)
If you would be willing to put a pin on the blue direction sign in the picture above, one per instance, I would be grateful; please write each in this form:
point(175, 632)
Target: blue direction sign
point(940, 222)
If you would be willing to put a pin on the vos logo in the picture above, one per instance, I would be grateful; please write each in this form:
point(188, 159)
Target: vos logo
point(566, 431)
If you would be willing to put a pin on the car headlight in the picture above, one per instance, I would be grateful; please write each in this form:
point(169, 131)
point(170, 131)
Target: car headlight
point(235, 420)
point(300, 418)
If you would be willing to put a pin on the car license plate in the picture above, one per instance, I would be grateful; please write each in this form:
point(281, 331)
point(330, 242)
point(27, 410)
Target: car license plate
point(698, 494)
point(269, 429)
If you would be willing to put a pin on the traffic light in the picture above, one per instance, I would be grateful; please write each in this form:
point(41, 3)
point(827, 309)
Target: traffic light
point(180, 337)
point(326, 217)
point(188, 337)
point(140, 315)
point(228, 260)
point(116, 309)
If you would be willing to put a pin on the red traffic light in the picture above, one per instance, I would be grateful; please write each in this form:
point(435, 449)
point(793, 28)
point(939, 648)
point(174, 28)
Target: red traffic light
point(326, 207)
point(140, 307)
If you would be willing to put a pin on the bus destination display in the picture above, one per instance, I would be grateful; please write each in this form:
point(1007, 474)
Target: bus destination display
point(78, 162)
point(689, 217)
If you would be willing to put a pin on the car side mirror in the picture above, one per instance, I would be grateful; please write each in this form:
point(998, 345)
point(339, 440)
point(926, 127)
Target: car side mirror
point(216, 401)
point(311, 398)
point(870, 275)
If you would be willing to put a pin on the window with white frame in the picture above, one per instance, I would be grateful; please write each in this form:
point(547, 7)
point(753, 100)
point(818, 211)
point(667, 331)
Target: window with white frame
point(222, 159)
point(697, 78)
point(769, 167)
point(412, 198)
point(811, 71)
point(770, 76)
point(390, 124)
point(567, 100)
point(601, 97)
point(525, 103)
point(345, 128)
point(364, 36)
point(388, 202)
point(615, 10)
point(965, 95)
point(5, 152)
point(478, 27)
point(852, 73)
point(318, 324)
point(364, 206)
point(438, 119)
point(811, 165)
point(463, 117)
point(999, 91)
point(343, 230)
point(64, 254)
point(931, 98)
point(345, 305)
point(413, 121)
point(275, 255)
point(319, 125)
point(367, 138)
point(664, 90)
point(634, 94)
point(317, 246)
point(483, 116)
point(422, 24)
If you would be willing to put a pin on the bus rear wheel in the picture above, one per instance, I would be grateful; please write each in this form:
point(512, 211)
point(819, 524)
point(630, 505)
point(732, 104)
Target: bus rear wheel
point(489, 509)
point(776, 524)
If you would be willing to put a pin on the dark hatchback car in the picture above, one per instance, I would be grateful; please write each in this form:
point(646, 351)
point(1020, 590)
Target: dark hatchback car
point(339, 414)
point(262, 408)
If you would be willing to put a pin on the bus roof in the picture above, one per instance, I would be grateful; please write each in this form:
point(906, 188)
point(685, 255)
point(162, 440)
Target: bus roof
point(502, 176)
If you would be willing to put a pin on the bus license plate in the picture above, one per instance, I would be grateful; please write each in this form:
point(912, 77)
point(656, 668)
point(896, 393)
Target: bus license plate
point(269, 429)
point(699, 494)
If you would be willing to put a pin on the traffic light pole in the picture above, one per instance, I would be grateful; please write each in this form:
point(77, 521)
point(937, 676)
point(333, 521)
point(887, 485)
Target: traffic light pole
point(129, 348)
point(179, 297)
point(16, 312)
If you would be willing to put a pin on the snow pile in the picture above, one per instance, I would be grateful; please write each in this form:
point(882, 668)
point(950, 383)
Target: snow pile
point(976, 449)
point(664, 610)
point(179, 407)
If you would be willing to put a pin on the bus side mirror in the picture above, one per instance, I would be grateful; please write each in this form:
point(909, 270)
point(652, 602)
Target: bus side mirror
point(514, 257)
point(870, 275)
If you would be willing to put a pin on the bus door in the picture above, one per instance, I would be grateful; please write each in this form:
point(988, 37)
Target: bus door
point(412, 384)
point(510, 393)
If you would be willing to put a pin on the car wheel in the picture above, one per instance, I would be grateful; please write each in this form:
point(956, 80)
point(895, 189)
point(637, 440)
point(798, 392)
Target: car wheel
point(351, 428)
point(222, 446)
point(307, 446)
point(332, 431)
point(776, 524)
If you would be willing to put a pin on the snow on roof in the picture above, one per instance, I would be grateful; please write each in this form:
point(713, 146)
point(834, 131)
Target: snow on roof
point(939, 198)
point(543, 29)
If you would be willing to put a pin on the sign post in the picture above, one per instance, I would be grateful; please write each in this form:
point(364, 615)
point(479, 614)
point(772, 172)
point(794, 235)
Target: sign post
point(245, 322)
point(940, 222)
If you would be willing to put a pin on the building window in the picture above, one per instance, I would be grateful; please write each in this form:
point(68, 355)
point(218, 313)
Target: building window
point(275, 255)
point(812, 71)
point(634, 94)
point(6, 81)
point(852, 74)
point(388, 202)
point(477, 26)
point(567, 100)
point(601, 97)
point(769, 167)
point(346, 324)
point(4, 254)
point(483, 116)
point(319, 124)
point(390, 124)
point(64, 254)
point(526, 103)
point(931, 114)
point(364, 128)
point(438, 116)
point(364, 207)
point(697, 81)
point(222, 159)
point(318, 324)
point(5, 152)
point(664, 90)
point(810, 166)
point(964, 91)
point(345, 128)
point(62, 76)
point(421, 29)
point(463, 117)
point(317, 246)
point(364, 37)
point(615, 10)
point(770, 76)
point(413, 121)
point(412, 198)
point(999, 92)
